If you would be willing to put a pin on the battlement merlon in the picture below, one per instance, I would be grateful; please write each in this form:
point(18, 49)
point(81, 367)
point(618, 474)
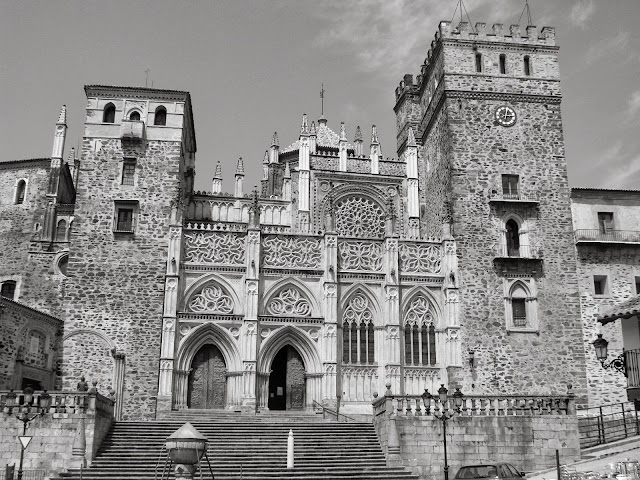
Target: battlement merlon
point(546, 36)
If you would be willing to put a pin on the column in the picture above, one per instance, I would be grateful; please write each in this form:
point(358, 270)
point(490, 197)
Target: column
point(389, 337)
point(331, 348)
point(249, 333)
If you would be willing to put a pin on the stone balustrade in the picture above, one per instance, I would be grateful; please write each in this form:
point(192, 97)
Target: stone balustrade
point(61, 402)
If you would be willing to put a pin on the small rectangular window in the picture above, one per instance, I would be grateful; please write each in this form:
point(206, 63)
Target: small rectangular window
point(600, 285)
point(503, 64)
point(527, 66)
point(478, 62)
point(125, 216)
point(8, 289)
point(605, 221)
point(510, 186)
point(637, 285)
point(128, 171)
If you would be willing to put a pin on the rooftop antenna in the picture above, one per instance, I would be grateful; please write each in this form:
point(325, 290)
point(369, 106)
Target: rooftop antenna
point(322, 100)
point(146, 80)
point(460, 4)
point(528, 10)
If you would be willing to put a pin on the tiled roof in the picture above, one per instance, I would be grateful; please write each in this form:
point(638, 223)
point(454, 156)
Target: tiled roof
point(7, 302)
point(625, 309)
point(26, 160)
point(326, 138)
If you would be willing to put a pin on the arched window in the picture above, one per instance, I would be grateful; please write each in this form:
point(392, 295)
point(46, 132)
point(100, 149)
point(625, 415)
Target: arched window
point(419, 334)
point(8, 289)
point(521, 305)
point(160, 117)
point(109, 114)
point(513, 238)
point(527, 65)
point(61, 231)
point(20, 192)
point(478, 62)
point(357, 332)
point(62, 264)
point(503, 64)
point(134, 116)
point(518, 306)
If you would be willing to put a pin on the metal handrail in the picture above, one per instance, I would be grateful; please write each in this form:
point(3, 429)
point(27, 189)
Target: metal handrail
point(596, 235)
point(332, 412)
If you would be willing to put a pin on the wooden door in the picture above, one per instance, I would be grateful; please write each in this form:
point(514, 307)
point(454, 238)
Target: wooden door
point(207, 381)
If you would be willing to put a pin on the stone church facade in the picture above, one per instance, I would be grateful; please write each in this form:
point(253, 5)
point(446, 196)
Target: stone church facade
point(453, 264)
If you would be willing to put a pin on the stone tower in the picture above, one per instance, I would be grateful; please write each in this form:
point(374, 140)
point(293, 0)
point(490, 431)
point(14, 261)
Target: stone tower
point(136, 167)
point(486, 112)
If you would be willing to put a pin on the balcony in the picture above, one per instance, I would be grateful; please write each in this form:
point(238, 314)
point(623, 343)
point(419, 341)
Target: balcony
point(522, 252)
point(132, 131)
point(607, 236)
point(517, 197)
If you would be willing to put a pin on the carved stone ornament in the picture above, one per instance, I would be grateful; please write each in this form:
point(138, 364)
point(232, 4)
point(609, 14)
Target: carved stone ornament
point(330, 369)
point(392, 293)
point(359, 217)
point(289, 302)
point(419, 313)
point(330, 331)
point(265, 332)
point(214, 248)
point(360, 371)
point(211, 299)
point(393, 333)
point(314, 334)
point(452, 335)
point(254, 237)
point(252, 288)
point(172, 283)
point(417, 258)
point(365, 256)
point(332, 241)
point(292, 252)
point(174, 232)
point(168, 325)
point(391, 245)
point(235, 332)
point(185, 329)
point(452, 296)
point(450, 248)
point(358, 311)
point(330, 290)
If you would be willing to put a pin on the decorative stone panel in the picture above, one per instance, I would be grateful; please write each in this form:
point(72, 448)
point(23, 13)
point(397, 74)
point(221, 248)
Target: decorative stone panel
point(359, 216)
point(214, 248)
point(353, 255)
point(291, 252)
point(420, 258)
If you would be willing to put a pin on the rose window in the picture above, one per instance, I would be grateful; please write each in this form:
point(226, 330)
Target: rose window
point(359, 217)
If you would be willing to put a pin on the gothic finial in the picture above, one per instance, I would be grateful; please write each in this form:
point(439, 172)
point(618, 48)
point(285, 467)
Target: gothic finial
point(266, 157)
point(274, 141)
point(304, 127)
point(72, 156)
point(358, 134)
point(240, 167)
point(255, 201)
point(287, 171)
point(374, 135)
point(62, 120)
point(411, 139)
point(313, 131)
point(343, 132)
point(218, 173)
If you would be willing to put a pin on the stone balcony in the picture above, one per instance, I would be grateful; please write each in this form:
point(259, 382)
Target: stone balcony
point(132, 131)
point(584, 236)
point(526, 252)
point(518, 197)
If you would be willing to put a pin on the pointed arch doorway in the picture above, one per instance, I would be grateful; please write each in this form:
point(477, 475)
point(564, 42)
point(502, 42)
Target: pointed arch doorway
point(207, 386)
point(287, 381)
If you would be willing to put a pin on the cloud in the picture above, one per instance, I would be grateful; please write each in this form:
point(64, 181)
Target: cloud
point(633, 105)
point(390, 37)
point(581, 12)
point(626, 175)
point(608, 45)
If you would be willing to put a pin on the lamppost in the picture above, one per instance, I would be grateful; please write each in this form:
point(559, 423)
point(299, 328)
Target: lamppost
point(618, 363)
point(26, 417)
point(444, 415)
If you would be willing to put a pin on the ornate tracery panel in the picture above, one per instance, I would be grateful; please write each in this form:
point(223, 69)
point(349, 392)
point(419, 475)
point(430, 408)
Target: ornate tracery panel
point(357, 332)
point(212, 298)
point(359, 216)
point(419, 333)
point(215, 248)
point(289, 302)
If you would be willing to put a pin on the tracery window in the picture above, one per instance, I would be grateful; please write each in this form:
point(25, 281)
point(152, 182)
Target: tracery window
point(211, 299)
point(109, 114)
point(357, 332)
point(419, 334)
point(359, 216)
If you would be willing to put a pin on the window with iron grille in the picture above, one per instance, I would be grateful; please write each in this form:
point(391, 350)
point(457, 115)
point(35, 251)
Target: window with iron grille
point(125, 216)
point(128, 172)
point(510, 186)
point(519, 312)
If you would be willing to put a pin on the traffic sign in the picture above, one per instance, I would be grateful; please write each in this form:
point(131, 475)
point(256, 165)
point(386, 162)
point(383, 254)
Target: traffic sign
point(24, 440)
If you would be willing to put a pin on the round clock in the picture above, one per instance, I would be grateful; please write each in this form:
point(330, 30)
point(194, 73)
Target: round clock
point(505, 116)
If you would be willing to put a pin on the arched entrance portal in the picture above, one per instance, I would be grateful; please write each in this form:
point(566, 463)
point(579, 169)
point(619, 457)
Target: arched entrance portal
point(287, 380)
point(207, 380)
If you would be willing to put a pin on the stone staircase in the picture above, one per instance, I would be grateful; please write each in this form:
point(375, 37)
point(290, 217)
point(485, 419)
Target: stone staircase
point(246, 447)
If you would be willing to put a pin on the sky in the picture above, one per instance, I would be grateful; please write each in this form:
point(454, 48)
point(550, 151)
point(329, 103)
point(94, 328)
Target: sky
point(254, 67)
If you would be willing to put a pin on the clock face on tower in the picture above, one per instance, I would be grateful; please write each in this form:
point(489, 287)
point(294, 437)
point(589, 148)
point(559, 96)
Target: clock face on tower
point(505, 116)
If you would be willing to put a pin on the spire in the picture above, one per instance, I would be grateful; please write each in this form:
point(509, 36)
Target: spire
point(287, 171)
point(304, 127)
point(358, 137)
point(343, 132)
point(218, 173)
point(62, 120)
point(411, 139)
point(240, 167)
point(374, 135)
point(313, 129)
point(274, 141)
point(266, 157)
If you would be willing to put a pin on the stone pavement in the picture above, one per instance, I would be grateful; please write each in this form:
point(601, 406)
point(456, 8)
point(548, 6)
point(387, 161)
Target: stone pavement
point(597, 459)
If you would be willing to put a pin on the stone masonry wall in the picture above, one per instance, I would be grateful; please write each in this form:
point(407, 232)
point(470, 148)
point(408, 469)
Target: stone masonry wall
point(116, 281)
point(621, 263)
point(527, 442)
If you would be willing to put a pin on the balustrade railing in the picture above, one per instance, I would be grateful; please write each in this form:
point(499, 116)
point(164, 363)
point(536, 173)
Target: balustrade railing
point(514, 197)
point(476, 405)
point(60, 402)
point(607, 236)
point(523, 251)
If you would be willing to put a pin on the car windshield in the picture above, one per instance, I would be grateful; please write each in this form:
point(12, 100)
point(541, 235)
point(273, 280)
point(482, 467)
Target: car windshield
point(477, 471)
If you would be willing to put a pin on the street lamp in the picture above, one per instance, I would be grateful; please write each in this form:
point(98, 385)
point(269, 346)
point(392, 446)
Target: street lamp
point(445, 415)
point(618, 363)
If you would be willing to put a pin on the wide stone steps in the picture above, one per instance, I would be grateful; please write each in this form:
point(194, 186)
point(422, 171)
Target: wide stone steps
point(245, 448)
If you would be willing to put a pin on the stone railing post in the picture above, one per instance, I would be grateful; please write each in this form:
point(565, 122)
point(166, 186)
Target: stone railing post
point(393, 441)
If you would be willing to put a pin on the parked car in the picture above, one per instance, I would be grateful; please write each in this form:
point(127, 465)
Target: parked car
point(497, 471)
